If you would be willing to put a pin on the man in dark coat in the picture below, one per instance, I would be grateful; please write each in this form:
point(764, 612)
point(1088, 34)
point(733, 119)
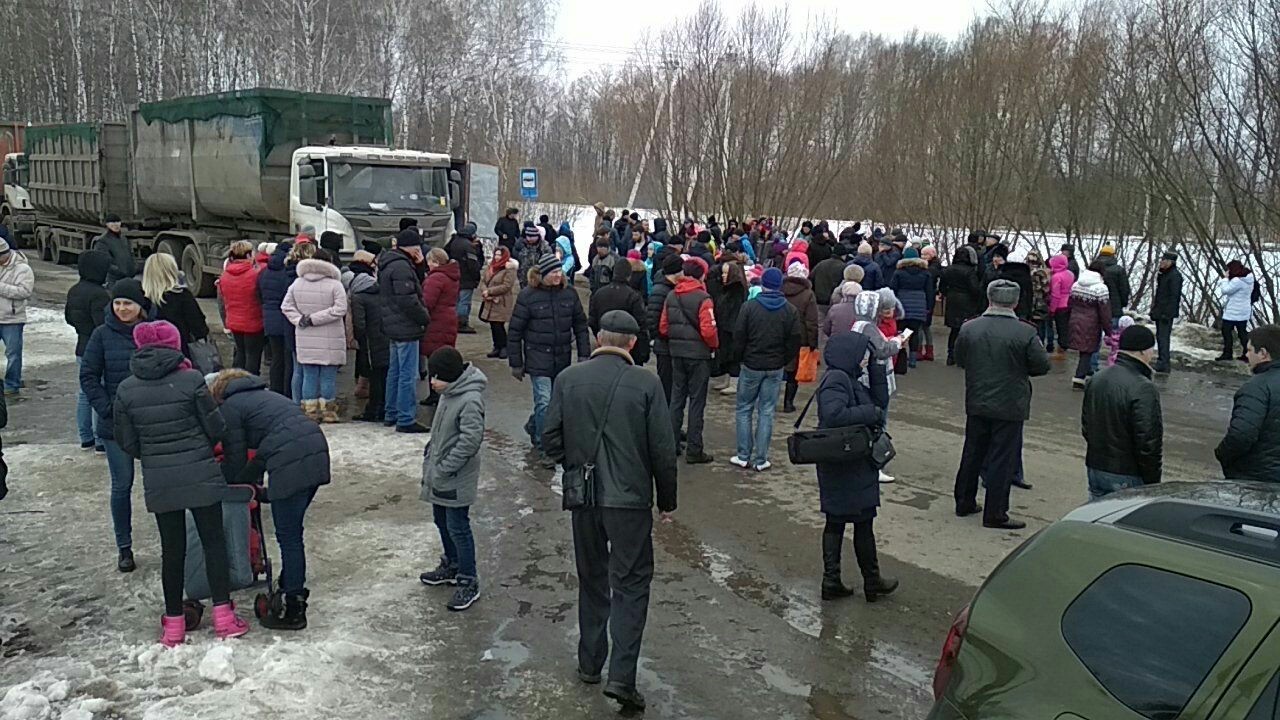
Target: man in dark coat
point(619, 295)
point(508, 229)
point(1251, 448)
point(1166, 306)
point(404, 322)
point(465, 249)
point(273, 284)
point(544, 222)
point(872, 277)
point(660, 233)
point(961, 290)
point(671, 273)
point(87, 300)
point(625, 432)
point(1117, 280)
point(1069, 250)
point(546, 323)
point(688, 323)
point(767, 338)
point(113, 243)
point(1121, 420)
point(374, 350)
point(1000, 354)
point(827, 275)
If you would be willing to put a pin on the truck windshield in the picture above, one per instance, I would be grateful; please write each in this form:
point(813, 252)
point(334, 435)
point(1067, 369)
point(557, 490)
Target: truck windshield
point(366, 188)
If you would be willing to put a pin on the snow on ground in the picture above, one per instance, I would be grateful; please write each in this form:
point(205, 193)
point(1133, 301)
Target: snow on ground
point(47, 339)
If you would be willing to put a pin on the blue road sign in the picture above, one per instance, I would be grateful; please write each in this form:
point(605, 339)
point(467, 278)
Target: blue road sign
point(529, 183)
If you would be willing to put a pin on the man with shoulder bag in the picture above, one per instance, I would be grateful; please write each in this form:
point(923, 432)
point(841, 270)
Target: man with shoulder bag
point(609, 427)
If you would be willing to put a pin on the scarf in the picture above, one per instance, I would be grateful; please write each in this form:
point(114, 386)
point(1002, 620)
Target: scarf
point(500, 257)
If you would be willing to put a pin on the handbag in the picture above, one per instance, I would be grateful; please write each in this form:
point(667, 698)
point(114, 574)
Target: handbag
point(882, 450)
point(579, 483)
point(901, 363)
point(828, 445)
point(205, 356)
point(807, 366)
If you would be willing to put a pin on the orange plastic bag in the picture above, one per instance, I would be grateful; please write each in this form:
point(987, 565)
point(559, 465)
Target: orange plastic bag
point(807, 369)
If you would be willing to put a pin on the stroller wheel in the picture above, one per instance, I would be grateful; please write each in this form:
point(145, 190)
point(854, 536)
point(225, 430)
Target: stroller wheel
point(192, 613)
point(261, 606)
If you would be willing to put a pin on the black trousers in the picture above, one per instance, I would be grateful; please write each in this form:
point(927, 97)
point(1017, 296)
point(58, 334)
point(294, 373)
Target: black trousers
point(613, 550)
point(1238, 327)
point(664, 375)
point(1062, 328)
point(281, 365)
point(377, 391)
point(499, 332)
point(864, 546)
point(689, 380)
point(1084, 366)
point(1164, 331)
point(248, 355)
point(991, 448)
point(173, 554)
point(913, 343)
point(953, 334)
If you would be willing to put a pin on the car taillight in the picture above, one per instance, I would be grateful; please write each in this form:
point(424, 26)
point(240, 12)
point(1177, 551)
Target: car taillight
point(950, 652)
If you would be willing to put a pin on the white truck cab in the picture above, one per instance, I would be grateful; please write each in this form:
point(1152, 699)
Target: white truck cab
point(16, 212)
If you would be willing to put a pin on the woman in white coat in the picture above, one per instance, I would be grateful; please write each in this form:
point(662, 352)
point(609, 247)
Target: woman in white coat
point(316, 304)
point(1236, 290)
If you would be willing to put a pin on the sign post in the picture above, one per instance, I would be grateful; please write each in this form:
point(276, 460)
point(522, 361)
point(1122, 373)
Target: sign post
point(529, 183)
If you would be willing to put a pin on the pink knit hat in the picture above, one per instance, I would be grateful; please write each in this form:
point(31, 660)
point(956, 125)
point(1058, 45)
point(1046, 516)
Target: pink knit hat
point(159, 333)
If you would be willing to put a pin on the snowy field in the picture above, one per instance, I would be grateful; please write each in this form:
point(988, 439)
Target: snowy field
point(47, 339)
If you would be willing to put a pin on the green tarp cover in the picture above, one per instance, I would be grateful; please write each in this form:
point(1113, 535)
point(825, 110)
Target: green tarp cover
point(286, 115)
point(36, 135)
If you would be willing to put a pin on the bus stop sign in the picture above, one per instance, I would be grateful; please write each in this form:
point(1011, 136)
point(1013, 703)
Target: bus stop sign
point(529, 183)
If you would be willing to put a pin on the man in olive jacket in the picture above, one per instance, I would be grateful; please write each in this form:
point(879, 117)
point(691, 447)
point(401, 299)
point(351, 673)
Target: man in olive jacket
point(1000, 354)
point(1121, 419)
point(608, 396)
point(1251, 448)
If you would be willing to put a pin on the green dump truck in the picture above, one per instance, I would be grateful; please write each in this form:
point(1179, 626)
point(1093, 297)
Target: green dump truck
point(189, 176)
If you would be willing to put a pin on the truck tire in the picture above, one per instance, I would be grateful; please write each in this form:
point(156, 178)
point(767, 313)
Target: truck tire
point(198, 281)
point(44, 246)
point(171, 247)
point(59, 256)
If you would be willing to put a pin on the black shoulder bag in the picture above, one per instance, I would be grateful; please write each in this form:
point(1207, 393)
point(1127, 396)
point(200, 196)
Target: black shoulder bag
point(579, 483)
point(836, 445)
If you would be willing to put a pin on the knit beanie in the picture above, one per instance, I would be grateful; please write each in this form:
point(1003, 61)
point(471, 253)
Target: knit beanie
point(797, 270)
point(160, 333)
point(910, 254)
point(548, 264)
point(672, 264)
point(131, 290)
point(1107, 250)
point(408, 237)
point(864, 248)
point(772, 279)
point(446, 364)
point(1137, 339)
point(693, 269)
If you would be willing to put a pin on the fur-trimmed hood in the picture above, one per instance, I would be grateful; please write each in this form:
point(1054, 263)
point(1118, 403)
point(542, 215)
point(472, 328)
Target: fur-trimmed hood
point(913, 262)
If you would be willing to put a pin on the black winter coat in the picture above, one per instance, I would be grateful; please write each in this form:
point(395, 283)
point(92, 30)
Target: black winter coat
point(508, 232)
point(653, 312)
point(1251, 448)
point(1000, 354)
point(1121, 421)
point(819, 249)
point(87, 300)
point(183, 312)
point(913, 285)
point(545, 324)
point(366, 323)
point(165, 417)
point(105, 365)
point(404, 317)
point(1167, 303)
point(470, 258)
point(1117, 280)
point(1015, 272)
point(768, 333)
point(888, 262)
point(637, 449)
point(850, 491)
point(273, 283)
point(827, 276)
point(290, 446)
point(619, 295)
point(961, 288)
point(123, 263)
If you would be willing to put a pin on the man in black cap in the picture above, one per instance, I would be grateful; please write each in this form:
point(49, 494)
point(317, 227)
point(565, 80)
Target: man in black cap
point(624, 433)
point(688, 323)
point(1121, 421)
point(1070, 251)
point(990, 242)
point(1000, 354)
point(465, 249)
point(508, 229)
point(404, 322)
point(113, 243)
point(1166, 306)
point(672, 272)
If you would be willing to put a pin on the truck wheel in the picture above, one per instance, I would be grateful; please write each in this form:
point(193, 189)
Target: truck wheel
point(171, 247)
point(44, 244)
point(200, 282)
point(58, 255)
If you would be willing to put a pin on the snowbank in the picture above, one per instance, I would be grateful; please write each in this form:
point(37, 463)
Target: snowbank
point(47, 339)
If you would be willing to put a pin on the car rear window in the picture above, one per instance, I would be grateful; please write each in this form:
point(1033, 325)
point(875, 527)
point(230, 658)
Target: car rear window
point(1268, 706)
point(1150, 636)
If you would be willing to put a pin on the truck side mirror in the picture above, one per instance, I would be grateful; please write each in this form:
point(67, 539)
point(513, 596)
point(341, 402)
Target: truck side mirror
point(307, 193)
point(455, 176)
point(455, 193)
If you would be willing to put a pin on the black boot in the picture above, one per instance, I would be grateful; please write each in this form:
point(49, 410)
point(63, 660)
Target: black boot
point(125, 562)
point(832, 588)
point(293, 616)
point(789, 397)
point(864, 547)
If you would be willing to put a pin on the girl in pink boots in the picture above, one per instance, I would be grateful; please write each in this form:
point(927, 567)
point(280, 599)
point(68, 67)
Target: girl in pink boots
point(165, 417)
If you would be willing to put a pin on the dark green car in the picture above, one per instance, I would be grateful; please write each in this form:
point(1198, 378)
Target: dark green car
point(1158, 603)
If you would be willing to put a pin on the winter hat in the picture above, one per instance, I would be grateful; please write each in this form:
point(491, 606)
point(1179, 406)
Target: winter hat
point(445, 364)
point(4, 247)
point(111, 218)
point(468, 230)
point(1137, 339)
point(849, 289)
point(910, 254)
point(1107, 250)
point(733, 246)
point(797, 270)
point(532, 231)
point(864, 248)
point(619, 321)
point(704, 236)
point(772, 279)
point(364, 257)
point(1000, 251)
point(1067, 248)
point(1169, 255)
point(548, 264)
point(693, 269)
point(131, 290)
point(408, 237)
point(599, 207)
point(887, 299)
point(854, 272)
point(1004, 292)
point(160, 333)
point(634, 254)
point(1125, 322)
point(877, 233)
point(672, 264)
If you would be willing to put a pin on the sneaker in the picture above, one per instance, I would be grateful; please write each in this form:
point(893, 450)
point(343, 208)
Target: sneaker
point(125, 563)
point(444, 574)
point(762, 467)
point(1077, 383)
point(466, 595)
point(414, 428)
point(87, 445)
point(886, 478)
point(10, 393)
point(739, 462)
point(99, 448)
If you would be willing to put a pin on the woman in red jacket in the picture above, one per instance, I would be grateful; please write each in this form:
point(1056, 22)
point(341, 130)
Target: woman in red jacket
point(440, 296)
point(239, 288)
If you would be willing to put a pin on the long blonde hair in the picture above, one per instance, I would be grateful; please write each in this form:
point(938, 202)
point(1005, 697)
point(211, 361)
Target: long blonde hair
point(159, 276)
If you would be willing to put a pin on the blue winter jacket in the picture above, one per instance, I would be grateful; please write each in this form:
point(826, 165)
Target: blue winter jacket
point(104, 366)
point(273, 283)
point(850, 490)
point(872, 278)
point(913, 284)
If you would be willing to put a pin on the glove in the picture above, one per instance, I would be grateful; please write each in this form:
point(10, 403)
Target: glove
point(304, 321)
point(518, 373)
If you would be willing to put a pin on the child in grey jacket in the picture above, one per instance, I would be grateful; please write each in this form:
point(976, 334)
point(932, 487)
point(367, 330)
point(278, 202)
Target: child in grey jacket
point(451, 470)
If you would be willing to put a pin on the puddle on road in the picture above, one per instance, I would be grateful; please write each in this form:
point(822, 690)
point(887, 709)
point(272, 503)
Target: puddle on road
point(918, 500)
point(890, 659)
point(776, 678)
point(793, 609)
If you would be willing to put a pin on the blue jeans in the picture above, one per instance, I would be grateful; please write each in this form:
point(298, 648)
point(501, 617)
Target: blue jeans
point(86, 419)
point(1045, 330)
point(1103, 483)
point(295, 381)
point(319, 382)
point(11, 336)
point(454, 524)
point(402, 383)
point(541, 400)
point(120, 465)
point(757, 394)
point(287, 515)
point(464, 305)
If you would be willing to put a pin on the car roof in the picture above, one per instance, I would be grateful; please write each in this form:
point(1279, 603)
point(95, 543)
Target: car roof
point(1239, 518)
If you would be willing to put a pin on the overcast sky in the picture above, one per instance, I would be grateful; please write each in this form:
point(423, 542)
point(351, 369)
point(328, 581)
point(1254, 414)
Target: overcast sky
point(592, 31)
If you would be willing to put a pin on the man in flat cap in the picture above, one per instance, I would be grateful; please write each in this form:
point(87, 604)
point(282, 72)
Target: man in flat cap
point(1000, 354)
point(608, 414)
point(1166, 306)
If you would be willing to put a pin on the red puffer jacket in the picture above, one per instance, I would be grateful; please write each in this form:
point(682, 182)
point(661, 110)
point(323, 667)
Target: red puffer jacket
point(239, 287)
point(440, 295)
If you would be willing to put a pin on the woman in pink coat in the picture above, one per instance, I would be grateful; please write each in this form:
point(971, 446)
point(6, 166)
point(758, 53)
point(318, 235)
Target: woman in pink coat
point(1059, 300)
point(316, 304)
